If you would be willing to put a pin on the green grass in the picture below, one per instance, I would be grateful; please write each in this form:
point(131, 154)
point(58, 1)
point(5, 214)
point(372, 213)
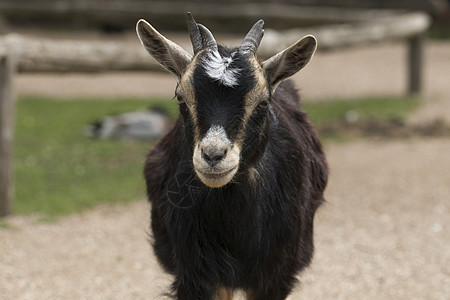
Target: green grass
point(378, 108)
point(58, 170)
point(5, 225)
point(331, 117)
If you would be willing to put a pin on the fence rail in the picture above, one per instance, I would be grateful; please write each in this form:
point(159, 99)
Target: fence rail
point(28, 54)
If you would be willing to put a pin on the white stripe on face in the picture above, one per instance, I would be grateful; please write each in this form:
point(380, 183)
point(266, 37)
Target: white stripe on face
point(217, 68)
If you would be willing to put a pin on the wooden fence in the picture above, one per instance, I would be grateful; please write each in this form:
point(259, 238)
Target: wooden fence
point(27, 54)
point(220, 15)
point(6, 132)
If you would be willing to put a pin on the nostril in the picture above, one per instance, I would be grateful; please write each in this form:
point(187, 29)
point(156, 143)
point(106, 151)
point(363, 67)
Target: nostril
point(213, 156)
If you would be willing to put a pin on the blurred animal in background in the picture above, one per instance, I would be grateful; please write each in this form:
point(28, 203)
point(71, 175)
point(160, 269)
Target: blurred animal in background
point(139, 125)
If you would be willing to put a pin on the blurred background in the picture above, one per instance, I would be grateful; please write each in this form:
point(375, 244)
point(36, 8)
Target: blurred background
point(82, 103)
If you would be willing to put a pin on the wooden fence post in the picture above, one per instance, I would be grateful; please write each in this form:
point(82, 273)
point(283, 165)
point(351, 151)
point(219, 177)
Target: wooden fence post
point(6, 132)
point(415, 63)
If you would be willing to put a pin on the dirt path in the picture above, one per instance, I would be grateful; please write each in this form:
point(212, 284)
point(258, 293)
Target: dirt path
point(384, 234)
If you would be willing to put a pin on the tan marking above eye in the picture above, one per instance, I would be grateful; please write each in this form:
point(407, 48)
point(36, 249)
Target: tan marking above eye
point(185, 90)
point(259, 94)
point(186, 95)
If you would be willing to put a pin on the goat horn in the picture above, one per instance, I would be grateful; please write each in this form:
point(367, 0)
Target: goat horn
point(253, 38)
point(208, 39)
point(194, 33)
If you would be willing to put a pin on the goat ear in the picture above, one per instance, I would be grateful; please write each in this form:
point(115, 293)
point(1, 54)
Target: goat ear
point(168, 54)
point(290, 61)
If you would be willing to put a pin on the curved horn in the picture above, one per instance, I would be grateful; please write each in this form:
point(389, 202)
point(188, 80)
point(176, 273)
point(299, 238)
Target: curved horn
point(194, 33)
point(253, 38)
point(207, 37)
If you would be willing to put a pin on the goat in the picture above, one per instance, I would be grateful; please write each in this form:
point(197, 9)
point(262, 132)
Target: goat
point(235, 184)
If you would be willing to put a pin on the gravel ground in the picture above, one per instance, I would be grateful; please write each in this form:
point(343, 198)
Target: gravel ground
point(384, 233)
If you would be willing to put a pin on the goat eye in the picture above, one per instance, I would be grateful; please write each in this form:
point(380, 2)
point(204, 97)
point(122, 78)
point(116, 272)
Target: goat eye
point(180, 99)
point(263, 104)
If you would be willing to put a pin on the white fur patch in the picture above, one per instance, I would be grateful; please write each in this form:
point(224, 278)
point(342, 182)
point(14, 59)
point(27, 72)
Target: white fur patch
point(216, 136)
point(217, 68)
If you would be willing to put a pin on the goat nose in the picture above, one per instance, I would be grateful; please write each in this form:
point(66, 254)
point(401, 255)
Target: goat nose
point(213, 155)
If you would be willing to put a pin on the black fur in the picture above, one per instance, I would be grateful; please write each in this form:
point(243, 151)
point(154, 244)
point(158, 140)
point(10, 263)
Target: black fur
point(251, 234)
point(218, 104)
